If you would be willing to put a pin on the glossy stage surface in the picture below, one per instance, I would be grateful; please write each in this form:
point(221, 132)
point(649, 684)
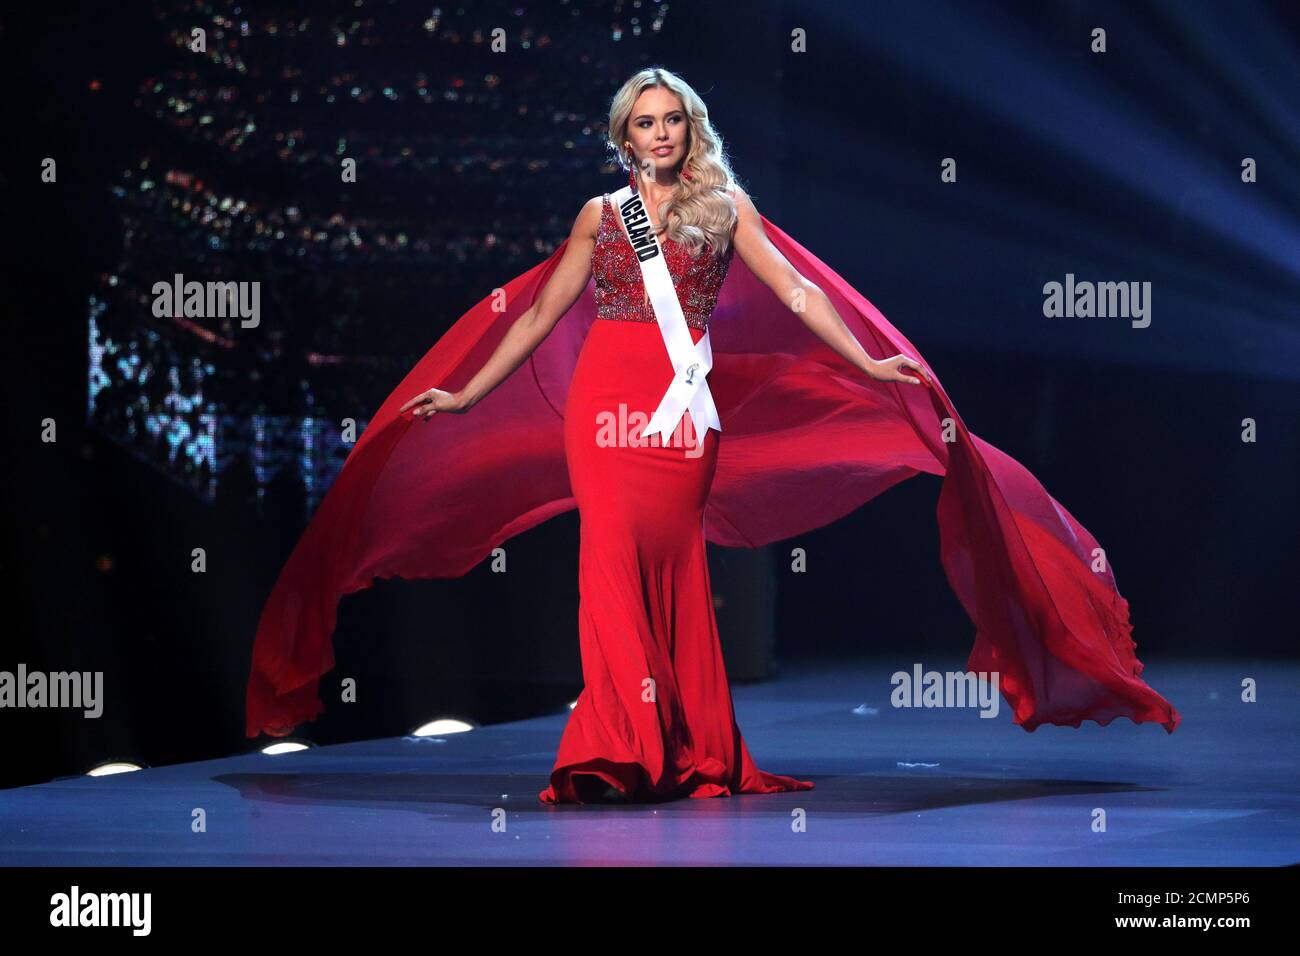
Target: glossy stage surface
point(909, 787)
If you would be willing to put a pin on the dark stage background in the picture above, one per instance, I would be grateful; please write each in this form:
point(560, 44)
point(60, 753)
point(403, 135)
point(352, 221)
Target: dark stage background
point(1115, 166)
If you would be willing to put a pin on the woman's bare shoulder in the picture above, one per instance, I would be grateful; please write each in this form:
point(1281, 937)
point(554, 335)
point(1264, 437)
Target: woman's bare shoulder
point(745, 209)
point(587, 225)
point(735, 192)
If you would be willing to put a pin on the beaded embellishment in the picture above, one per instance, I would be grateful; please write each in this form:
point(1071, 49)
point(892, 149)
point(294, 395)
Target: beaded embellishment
point(620, 291)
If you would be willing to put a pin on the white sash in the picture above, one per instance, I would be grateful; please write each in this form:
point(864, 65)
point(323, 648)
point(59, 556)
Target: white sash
point(692, 361)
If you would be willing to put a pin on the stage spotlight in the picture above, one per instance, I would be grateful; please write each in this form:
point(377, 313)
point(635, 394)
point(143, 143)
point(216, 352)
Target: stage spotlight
point(110, 767)
point(443, 726)
point(287, 747)
point(573, 703)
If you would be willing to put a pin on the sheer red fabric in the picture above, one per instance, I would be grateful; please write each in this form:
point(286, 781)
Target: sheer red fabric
point(806, 439)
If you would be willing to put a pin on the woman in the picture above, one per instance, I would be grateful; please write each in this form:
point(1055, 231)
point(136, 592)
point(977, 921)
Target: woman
point(655, 716)
point(621, 414)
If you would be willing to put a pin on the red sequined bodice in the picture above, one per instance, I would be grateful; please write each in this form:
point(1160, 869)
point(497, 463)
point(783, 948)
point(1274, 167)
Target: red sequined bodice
point(620, 292)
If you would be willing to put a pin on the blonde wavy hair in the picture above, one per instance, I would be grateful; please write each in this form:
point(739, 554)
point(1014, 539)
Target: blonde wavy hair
point(699, 212)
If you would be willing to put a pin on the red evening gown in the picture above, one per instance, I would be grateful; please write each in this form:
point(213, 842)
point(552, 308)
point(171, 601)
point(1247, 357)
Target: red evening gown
point(654, 719)
point(808, 439)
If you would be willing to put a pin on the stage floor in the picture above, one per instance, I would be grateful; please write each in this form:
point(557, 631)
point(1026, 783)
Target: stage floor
point(901, 787)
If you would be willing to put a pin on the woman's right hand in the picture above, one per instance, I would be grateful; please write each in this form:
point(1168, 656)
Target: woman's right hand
point(431, 401)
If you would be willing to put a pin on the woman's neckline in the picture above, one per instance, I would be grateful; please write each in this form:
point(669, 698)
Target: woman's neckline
point(646, 202)
point(661, 236)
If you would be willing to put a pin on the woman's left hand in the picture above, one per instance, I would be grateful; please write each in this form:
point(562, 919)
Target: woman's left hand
point(897, 369)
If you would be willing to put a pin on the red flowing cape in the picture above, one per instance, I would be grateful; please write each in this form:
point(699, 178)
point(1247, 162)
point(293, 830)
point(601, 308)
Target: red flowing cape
point(806, 439)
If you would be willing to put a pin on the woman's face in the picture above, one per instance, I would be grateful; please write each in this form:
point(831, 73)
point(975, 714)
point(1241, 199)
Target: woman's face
point(657, 130)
